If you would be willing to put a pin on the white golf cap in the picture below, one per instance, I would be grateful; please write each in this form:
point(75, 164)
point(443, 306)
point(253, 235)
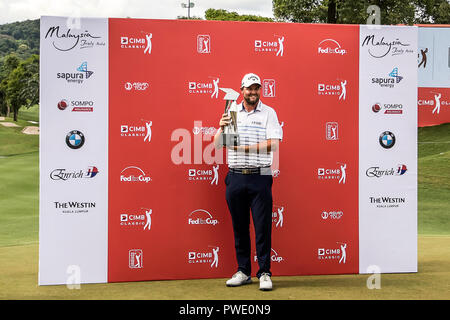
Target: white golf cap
point(249, 79)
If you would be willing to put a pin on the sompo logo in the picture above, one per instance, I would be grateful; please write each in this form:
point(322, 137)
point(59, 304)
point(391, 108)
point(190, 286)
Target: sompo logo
point(389, 108)
point(201, 217)
point(330, 46)
point(69, 39)
point(77, 105)
point(134, 175)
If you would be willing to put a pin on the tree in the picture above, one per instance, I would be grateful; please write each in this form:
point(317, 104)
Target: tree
point(392, 12)
point(224, 15)
point(7, 66)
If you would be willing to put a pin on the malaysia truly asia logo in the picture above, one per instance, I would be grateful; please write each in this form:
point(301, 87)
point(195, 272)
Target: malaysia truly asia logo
point(381, 47)
point(66, 40)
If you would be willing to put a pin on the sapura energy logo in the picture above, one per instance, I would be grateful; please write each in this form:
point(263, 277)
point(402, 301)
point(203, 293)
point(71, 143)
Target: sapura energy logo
point(377, 172)
point(335, 88)
point(205, 87)
point(337, 173)
point(388, 108)
point(142, 131)
point(330, 47)
point(274, 257)
point(386, 201)
point(67, 39)
point(391, 81)
point(65, 174)
point(210, 256)
point(379, 47)
point(274, 45)
point(76, 105)
point(338, 253)
point(78, 77)
point(201, 217)
point(141, 218)
point(142, 42)
point(74, 207)
point(134, 174)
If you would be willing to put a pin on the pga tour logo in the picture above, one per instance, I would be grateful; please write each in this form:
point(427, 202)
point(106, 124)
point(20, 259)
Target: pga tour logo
point(268, 88)
point(330, 47)
point(143, 43)
point(210, 257)
point(338, 173)
point(143, 131)
point(275, 46)
point(201, 217)
point(338, 253)
point(337, 88)
point(203, 43)
point(135, 259)
point(134, 175)
point(211, 87)
point(332, 131)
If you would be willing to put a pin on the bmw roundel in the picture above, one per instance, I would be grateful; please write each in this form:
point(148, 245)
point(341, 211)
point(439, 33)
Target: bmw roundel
point(387, 139)
point(75, 139)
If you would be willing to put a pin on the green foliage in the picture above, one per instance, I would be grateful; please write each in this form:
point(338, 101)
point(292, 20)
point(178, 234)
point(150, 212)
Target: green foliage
point(392, 12)
point(21, 38)
point(224, 15)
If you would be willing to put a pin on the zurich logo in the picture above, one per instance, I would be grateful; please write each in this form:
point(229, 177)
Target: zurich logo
point(387, 139)
point(75, 139)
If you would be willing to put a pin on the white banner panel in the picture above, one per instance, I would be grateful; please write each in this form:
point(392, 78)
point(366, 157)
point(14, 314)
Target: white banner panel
point(388, 149)
point(73, 150)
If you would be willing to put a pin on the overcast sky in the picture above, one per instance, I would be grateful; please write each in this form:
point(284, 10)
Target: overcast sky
point(19, 10)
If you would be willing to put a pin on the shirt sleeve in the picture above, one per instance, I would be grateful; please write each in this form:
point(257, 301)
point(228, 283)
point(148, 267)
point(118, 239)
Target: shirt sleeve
point(273, 128)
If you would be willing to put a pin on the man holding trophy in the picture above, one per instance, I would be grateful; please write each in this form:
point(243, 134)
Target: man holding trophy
point(250, 131)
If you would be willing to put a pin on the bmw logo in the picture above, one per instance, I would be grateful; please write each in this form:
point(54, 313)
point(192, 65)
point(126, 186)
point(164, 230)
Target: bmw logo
point(387, 139)
point(75, 139)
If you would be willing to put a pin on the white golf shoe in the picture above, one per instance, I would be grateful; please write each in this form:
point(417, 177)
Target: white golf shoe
point(238, 279)
point(265, 283)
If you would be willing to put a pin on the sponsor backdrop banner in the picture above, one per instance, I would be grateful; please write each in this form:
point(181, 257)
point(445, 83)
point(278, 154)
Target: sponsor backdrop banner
point(433, 59)
point(131, 185)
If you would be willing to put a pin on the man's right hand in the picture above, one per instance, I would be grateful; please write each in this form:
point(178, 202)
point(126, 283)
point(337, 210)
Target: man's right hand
point(225, 120)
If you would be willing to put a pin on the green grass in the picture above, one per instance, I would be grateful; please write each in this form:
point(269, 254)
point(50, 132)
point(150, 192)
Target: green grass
point(31, 113)
point(19, 199)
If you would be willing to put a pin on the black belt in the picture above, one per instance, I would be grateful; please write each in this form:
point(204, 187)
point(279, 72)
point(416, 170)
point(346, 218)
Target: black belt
point(248, 170)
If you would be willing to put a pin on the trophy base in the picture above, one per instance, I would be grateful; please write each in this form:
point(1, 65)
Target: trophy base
point(230, 139)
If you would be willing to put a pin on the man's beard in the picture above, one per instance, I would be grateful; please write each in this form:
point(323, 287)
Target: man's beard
point(250, 102)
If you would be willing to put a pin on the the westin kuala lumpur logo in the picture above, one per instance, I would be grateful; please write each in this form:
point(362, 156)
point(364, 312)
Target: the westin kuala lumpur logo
point(380, 47)
point(69, 39)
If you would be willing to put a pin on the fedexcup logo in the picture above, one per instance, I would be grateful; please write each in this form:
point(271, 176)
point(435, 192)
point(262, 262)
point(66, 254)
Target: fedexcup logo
point(68, 40)
point(330, 46)
point(387, 139)
point(75, 139)
point(201, 217)
point(134, 174)
point(274, 257)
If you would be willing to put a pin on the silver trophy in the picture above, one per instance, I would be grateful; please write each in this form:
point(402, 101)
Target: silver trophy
point(230, 135)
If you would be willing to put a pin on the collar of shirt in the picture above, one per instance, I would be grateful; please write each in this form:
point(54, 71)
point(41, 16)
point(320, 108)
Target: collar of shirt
point(258, 107)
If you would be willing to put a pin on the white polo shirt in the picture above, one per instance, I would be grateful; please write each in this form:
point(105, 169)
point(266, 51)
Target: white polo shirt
point(253, 127)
